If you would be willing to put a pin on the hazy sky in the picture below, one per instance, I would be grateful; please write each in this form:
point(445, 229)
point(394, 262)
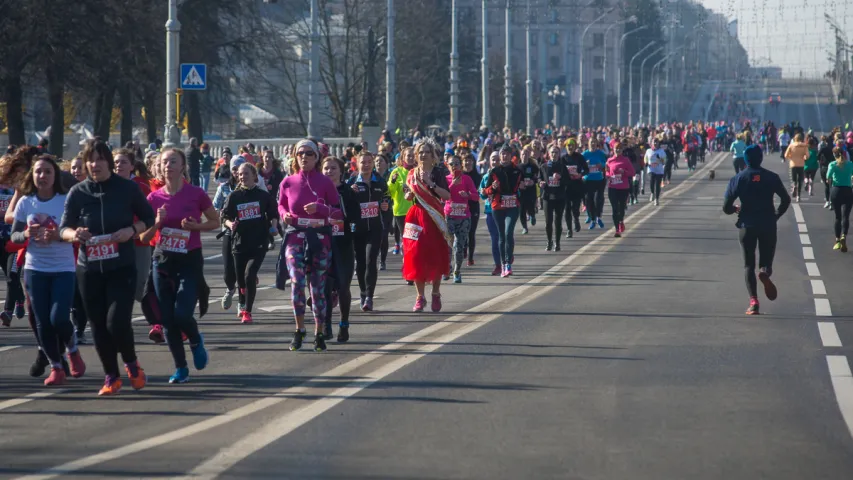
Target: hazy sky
point(792, 34)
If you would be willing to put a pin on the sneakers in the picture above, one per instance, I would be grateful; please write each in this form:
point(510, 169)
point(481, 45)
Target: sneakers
point(569, 233)
point(241, 307)
point(382, 266)
point(420, 304)
point(470, 263)
point(182, 375)
point(343, 334)
point(532, 220)
point(246, 318)
point(769, 288)
point(6, 318)
point(327, 332)
point(296, 343)
point(621, 227)
point(753, 306)
point(457, 278)
point(588, 220)
point(600, 222)
point(319, 342)
point(38, 367)
point(557, 247)
point(507, 270)
point(111, 387)
point(497, 270)
point(549, 247)
point(396, 250)
point(56, 377)
point(136, 375)
point(435, 306)
point(226, 300)
point(826, 205)
point(837, 245)
point(76, 364)
point(592, 224)
point(617, 233)
point(19, 309)
point(156, 334)
point(367, 306)
point(200, 357)
point(657, 203)
point(524, 230)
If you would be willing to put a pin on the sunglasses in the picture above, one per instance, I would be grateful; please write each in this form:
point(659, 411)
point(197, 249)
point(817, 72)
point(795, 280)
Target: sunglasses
point(305, 153)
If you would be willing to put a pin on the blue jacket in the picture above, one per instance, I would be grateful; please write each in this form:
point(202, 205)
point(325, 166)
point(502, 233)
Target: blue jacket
point(756, 187)
point(596, 162)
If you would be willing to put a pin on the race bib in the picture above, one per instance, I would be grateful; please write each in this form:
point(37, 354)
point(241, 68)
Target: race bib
point(311, 222)
point(4, 203)
point(337, 227)
point(174, 240)
point(594, 169)
point(554, 181)
point(617, 178)
point(528, 181)
point(248, 211)
point(459, 209)
point(101, 248)
point(509, 201)
point(573, 169)
point(369, 210)
point(412, 231)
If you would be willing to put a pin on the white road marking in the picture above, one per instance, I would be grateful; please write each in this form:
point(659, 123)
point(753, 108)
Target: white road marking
point(704, 198)
point(804, 239)
point(828, 334)
point(518, 297)
point(812, 269)
point(266, 287)
point(275, 308)
point(9, 347)
point(137, 319)
point(29, 398)
point(798, 213)
point(808, 253)
point(802, 228)
point(818, 287)
point(842, 384)
point(213, 257)
point(822, 308)
point(838, 366)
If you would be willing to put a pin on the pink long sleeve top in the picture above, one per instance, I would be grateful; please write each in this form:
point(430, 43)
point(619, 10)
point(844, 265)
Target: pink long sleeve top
point(299, 190)
point(620, 171)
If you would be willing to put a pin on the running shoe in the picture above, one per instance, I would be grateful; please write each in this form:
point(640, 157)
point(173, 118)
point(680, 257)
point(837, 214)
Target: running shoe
point(19, 309)
point(241, 307)
point(524, 230)
point(470, 263)
point(327, 332)
point(319, 342)
point(435, 306)
point(588, 220)
point(600, 222)
point(296, 343)
point(549, 246)
point(182, 375)
point(844, 244)
point(569, 233)
point(592, 225)
point(368, 304)
point(343, 334)
point(657, 203)
point(837, 245)
point(156, 334)
point(396, 250)
point(617, 234)
point(56, 377)
point(76, 364)
point(533, 220)
point(227, 299)
point(410, 282)
point(826, 205)
point(621, 227)
point(136, 375)
point(81, 337)
point(753, 307)
point(6, 318)
point(769, 288)
point(652, 197)
point(420, 304)
point(246, 319)
point(382, 266)
point(112, 385)
point(38, 367)
point(445, 277)
point(200, 357)
point(557, 247)
point(497, 270)
point(457, 278)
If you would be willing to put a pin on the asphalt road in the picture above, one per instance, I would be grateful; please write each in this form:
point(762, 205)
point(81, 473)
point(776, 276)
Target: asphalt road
point(615, 358)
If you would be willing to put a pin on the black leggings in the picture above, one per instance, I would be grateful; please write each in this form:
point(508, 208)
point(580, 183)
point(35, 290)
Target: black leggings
point(826, 186)
point(366, 252)
point(78, 311)
point(842, 201)
point(341, 281)
point(765, 240)
point(655, 181)
point(797, 175)
point(230, 271)
point(108, 299)
point(667, 169)
point(739, 164)
point(618, 203)
point(554, 218)
point(14, 290)
point(472, 232)
point(247, 265)
point(595, 197)
point(388, 221)
point(573, 210)
point(528, 205)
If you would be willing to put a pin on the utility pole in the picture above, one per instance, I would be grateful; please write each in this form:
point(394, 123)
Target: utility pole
point(484, 66)
point(314, 70)
point(507, 74)
point(453, 127)
point(529, 82)
point(171, 132)
point(390, 71)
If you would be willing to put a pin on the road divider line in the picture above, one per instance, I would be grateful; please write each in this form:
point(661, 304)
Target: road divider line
point(517, 297)
point(842, 384)
point(213, 257)
point(802, 228)
point(812, 269)
point(9, 347)
point(808, 253)
point(798, 213)
point(818, 287)
point(28, 398)
point(804, 239)
point(822, 308)
point(828, 334)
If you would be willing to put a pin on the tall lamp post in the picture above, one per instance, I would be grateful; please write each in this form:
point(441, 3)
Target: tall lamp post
point(314, 69)
point(390, 71)
point(507, 75)
point(619, 72)
point(631, 82)
point(631, 19)
point(454, 73)
point(484, 65)
point(642, 78)
point(529, 82)
point(655, 84)
point(583, 35)
point(555, 94)
point(171, 132)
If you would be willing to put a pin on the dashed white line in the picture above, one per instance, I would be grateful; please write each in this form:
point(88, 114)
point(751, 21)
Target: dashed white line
point(818, 287)
point(29, 398)
point(838, 366)
point(802, 228)
point(798, 214)
point(808, 253)
point(212, 257)
point(828, 334)
point(822, 308)
point(812, 269)
point(9, 347)
point(804, 239)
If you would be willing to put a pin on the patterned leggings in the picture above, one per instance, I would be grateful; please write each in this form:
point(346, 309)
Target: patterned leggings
point(295, 257)
point(459, 228)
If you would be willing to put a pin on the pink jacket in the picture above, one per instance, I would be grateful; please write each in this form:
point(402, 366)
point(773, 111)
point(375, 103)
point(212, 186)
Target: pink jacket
point(619, 172)
point(465, 184)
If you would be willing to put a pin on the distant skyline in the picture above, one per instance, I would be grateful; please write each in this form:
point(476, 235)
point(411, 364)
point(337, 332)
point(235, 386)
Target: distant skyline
point(792, 34)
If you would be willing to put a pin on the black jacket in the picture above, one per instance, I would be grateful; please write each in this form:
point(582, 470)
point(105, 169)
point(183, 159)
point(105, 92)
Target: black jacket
point(351, 209)
point(252, 232)
point(376, 192)
point(555, 188)
point(576, 165)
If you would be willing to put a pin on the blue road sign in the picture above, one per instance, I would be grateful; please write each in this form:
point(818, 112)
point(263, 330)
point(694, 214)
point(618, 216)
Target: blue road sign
point(193, 76)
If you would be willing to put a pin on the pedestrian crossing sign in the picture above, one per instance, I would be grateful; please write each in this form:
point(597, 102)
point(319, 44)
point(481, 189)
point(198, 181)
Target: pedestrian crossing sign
point(193, 76)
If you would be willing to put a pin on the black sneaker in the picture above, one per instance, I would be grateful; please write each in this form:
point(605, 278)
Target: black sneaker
point(549, 247)
point(296, 343)
point(38, 367)
point(6, 318)
point(343, 334)
point(382, 266)
point(319, 343)
point(557, 247)
point(327, 332)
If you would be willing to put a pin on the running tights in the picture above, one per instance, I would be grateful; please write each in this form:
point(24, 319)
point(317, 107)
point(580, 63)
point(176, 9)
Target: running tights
point(527, 205)
point(618, 203)
point(472, 234)
point(765, 240)
point(842, 201)
point(554, 218)
point(340, 281)
point(493, 234)
point(230, 271)
point(366, 253)
point(573, 211)
point(655, 183)
point(247, 265)
point(797, 176)
point(595, 197)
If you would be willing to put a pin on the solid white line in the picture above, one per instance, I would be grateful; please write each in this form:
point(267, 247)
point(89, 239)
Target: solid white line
point(517, 297)
point(818, 287)
point(828, 334)
point(812, 269)
point(821, 307)
point(9, 347)
point(798, 213)
point(842, 384)
point(802, 228)
point(838, 366)
point(804, 239)
point(212, 257)
point(29, 398)
point(808, 253)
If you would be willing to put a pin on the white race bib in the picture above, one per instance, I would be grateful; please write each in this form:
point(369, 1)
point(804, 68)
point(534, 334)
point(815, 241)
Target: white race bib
point(337, 227)
point(412, 231)
point(617, 178)
point(311, 222)
point(594, 169)
point(459, 210)
point(248, 211)
point(4, 203)
point(101, 248)
point(369, 210)
point(554, 180)
point(509, 201)
point(174, 240)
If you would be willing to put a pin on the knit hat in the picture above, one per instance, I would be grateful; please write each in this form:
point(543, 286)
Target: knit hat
point(307, 143)
point(753, 156)
point(237, 161)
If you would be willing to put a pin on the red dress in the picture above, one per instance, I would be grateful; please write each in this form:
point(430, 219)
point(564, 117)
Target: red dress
point(426, 251)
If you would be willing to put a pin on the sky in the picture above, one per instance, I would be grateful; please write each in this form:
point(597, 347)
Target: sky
point(792, 34)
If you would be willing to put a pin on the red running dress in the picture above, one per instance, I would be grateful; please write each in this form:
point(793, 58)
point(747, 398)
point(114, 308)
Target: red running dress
point(426, 251)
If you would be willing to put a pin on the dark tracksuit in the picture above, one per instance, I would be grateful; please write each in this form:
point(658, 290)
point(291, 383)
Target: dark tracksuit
point(575, 189)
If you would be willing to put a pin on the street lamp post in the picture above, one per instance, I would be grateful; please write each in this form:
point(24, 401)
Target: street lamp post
point(642, 78)
point(619, 73)
point(529, 82)
point(484, 66)
point(630, 19)
point(631, 82)
point(314, 69)
point(454, 73)
point(391, 71)
point(583, 35)
point(171, 132)
point(555, 94)
point(507, 75)
point(653, 86)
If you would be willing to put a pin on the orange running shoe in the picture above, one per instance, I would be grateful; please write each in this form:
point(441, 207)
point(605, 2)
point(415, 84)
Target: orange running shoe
point(111, 387)
point(139, 380)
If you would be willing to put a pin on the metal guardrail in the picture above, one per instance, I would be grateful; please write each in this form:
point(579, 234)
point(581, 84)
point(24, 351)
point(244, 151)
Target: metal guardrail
point(280, 146)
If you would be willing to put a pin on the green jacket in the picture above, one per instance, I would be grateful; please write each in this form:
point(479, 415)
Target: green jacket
point(396, 191)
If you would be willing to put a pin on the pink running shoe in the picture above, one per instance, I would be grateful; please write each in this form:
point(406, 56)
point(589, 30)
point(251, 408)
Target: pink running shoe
point(420, 304)
point(497, 271)
point(156, 334)
point(436, 302)
point(247, 318)
point(76, 364)
point(56, 377)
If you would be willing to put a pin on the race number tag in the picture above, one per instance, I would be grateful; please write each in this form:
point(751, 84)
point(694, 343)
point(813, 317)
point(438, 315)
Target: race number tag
point(459, 209)
point(528, 182)
point(617, 178)
point(337, 227)
point(174, 240)
point(594, 169)
point(554, 180)
point(509, 201)
point(311, 222)
point(101, 248)
point(412, 231)
point(4, 203)
point(573, 170)
point(248, 211)
point(369, 210)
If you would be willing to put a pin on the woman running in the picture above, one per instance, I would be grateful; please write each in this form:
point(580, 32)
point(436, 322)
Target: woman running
point(839, 176)
point(503, 184)
point(824, 158)
point(530, 178)
point(811, 165)
point(490, 219)
point(48, 266)
point(620, 171)
point(8, 254)
point(343, 254)
point(178, 265)
point(229, 271)
point(397, 190)
point(796, 154)
point(594, 181)
point(425, 235)
point(272, 173)
point(575, 187)
point(305, 204)
point(129, 169)
point(457, 213)
point(251, 216)
point(387, 215)
point(372, 194)
point(103, 213)
point(554, 196)
point(654, 160)
point(469, 167)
